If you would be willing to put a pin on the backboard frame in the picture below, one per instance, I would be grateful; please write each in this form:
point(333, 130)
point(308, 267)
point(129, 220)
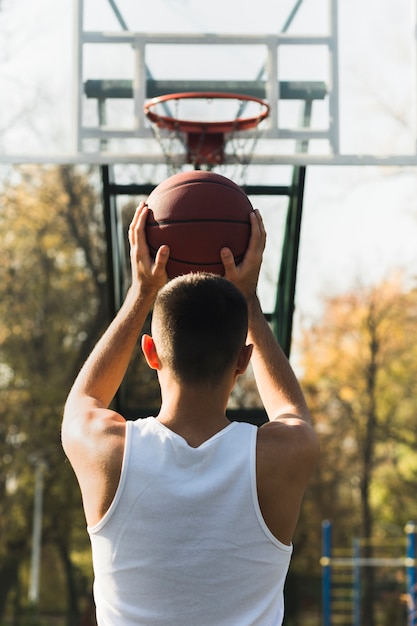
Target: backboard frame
point(274, 91)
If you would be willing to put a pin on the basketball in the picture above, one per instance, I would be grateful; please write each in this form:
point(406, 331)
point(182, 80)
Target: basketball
point(196, 214)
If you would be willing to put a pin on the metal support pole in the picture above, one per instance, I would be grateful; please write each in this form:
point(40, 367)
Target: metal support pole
point(36, 534)
point(326, 572)
point(356, 583)
point(410, 564)
point(78, 74)
point(284, 304)
point(414, 73)
point(334, 78)
point(114, 277)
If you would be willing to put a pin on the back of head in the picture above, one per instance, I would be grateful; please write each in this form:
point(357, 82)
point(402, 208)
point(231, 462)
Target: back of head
point(200, 324)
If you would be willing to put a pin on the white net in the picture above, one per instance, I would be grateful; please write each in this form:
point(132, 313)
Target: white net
point(207, 131)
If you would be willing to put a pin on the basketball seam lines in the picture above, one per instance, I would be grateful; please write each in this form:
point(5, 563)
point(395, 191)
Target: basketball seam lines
point(195, 220)
point(237, 258)
point(236, 189)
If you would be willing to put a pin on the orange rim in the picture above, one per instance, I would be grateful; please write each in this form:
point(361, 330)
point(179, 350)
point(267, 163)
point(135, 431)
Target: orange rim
point(187, 126)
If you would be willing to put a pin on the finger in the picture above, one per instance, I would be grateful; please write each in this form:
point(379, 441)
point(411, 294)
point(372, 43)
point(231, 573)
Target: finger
point(261, 225)
point(140, 226)
point(228, 261)
point(134, 222)
point(257, 238)
point(161, 258)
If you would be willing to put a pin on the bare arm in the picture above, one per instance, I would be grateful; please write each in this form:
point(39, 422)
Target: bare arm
point(277, 384)
point(92, 434)
point(287, 446)
point(103, 372)
point(276, 381)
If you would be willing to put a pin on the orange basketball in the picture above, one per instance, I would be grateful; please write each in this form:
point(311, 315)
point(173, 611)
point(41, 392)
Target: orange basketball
point(196, 214)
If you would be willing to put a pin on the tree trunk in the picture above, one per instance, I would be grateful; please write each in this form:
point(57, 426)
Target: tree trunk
point(9, 573)
point(73, 609)
point(368, 573)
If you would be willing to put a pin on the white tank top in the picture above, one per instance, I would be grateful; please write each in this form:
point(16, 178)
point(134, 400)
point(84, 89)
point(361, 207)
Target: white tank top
point(184, 542)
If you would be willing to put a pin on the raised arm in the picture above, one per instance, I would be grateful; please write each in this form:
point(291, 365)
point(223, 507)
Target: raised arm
point(103, 372)
point(92, 434)
point(277, 384)
point(276, 381)
point(287, 446)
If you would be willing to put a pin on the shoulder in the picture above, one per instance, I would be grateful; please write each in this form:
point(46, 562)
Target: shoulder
point(94, 443)
point(93, 439)
point(288, 445)
point(92, 429)
point(286, 454)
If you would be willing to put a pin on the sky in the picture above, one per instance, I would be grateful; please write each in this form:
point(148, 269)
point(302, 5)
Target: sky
point(359, 223)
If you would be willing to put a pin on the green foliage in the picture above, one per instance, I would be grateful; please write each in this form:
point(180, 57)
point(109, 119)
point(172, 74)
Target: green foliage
point(360, 379)
point(52, 309)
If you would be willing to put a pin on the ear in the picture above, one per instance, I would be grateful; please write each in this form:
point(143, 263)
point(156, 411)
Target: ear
point(149, 350)
point(243, 359)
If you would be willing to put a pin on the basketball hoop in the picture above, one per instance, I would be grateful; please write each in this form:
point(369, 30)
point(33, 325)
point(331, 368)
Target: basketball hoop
point(205, 141)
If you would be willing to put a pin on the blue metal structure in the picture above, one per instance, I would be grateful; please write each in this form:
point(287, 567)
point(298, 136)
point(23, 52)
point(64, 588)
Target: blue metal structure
point(330, 564)
point(411, 569)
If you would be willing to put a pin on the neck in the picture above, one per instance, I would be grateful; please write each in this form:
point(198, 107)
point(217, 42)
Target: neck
point(194, 413)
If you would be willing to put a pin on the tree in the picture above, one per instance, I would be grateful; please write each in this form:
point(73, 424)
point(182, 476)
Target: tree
point(360, 369)
point(53, 298)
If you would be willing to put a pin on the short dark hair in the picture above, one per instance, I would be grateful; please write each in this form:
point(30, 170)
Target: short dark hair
point(202, 324)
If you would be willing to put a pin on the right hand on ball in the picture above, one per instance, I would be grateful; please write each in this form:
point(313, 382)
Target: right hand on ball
point(245, 275)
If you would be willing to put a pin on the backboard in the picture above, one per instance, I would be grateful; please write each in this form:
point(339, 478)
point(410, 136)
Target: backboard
point(295, 54)
point(156, 64)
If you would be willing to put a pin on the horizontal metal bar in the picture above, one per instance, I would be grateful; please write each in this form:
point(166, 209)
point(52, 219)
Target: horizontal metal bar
point(133, 189)
point(123, 89)
point(109, 158)
point(267, 190)
point(302, 133)
point(304, 40)
point(94, 132)
point(128, 37)
point(367, 562)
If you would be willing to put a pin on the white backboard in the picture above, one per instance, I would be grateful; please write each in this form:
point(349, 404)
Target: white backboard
point(364, 54)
